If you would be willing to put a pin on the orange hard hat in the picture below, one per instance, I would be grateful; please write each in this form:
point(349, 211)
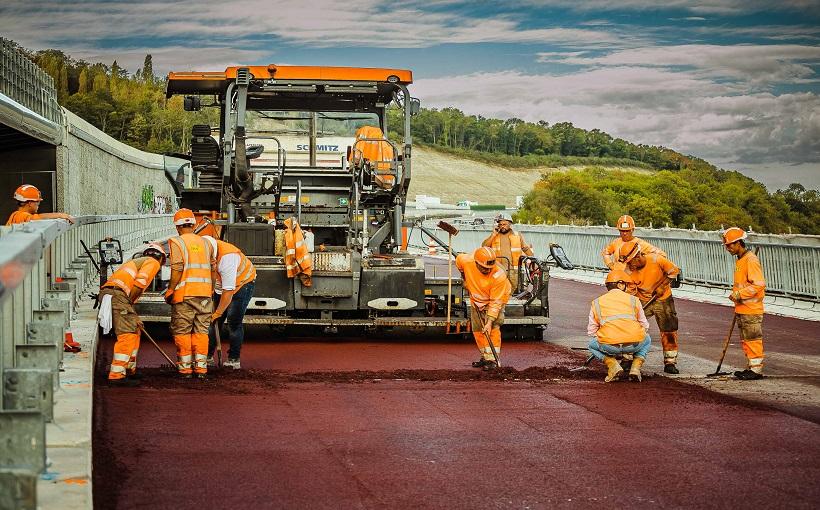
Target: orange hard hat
point(484, 257)
point(154, 247)
point(733, 235)
point(27, 193)
point(616, 275)
point(625, 222)
point(629, 250)
point(184, 217)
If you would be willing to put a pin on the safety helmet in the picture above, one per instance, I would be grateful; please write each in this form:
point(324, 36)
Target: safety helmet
point(184, 217)
point(212, 242)
point(629, 250)
point(616, 275)
point(484, 257)
point(625, 222)
point(154, 249)
point(733, 235)
point(504, 217)
point(27, 193)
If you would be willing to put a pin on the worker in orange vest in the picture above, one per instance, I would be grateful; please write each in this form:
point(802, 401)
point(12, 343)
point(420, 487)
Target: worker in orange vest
point(652, 275)
point(626, 229)
point(193, 272)
point(489, 291)
point(618, 326)
point(236, 278)
point(28, 200)
point(509, 246)
point(117, 298)
point(748, 291)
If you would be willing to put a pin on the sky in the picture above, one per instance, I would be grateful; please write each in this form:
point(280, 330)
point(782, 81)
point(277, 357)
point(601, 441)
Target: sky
point(732, 81)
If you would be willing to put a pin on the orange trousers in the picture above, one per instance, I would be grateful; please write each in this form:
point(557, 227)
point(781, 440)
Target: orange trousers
point(753, 349)
point(669, 341)
point(192, 353)
point(484, 345)
point(125, 355)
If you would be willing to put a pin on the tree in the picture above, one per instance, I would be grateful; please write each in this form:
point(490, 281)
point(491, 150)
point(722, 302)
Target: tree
point(148, 69)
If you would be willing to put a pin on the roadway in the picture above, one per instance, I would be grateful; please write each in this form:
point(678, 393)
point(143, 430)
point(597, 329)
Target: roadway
point(355, 423)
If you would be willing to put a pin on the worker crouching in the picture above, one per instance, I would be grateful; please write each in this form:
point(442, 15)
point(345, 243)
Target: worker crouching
point(652, 275)
point(193, 272)
point(489, 291)
point(748, 291)
point(117, 298)
point(618, 326)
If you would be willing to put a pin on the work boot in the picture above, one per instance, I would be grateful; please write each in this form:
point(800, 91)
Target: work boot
point(137, 376)
point(210, 362)
point(201, 376)
point(479, 363)
point(233, 363)
point(614, 369)
point(186, 376)
point(635, 370)
point(124, 382)
point(748, 375)
point(670, 368)
point(489, 365)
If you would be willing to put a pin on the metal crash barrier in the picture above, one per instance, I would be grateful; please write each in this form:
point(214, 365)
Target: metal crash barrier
point(791, 263)
point(43, 273)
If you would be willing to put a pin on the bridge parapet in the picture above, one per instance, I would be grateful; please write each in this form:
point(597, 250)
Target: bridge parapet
point(23, 81)
point(791, 263)
point(43, 272)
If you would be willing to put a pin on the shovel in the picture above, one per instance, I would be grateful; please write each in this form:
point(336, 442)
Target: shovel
point(717, 372)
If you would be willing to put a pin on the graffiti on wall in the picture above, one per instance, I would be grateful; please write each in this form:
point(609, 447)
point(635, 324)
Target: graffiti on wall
point(150, 203)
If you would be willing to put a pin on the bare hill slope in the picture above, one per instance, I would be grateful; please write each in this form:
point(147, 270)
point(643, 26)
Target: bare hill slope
point(454, 179)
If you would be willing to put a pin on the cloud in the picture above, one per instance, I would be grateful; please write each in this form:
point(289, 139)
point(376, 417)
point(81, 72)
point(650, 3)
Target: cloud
point(681, 110)
point(733, 7)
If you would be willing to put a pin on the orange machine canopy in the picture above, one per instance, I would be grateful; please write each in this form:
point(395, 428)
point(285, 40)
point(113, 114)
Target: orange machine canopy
point(216, 82)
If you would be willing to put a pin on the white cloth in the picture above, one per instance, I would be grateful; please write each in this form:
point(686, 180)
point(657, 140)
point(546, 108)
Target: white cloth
point(227, 268)
point(105, 314)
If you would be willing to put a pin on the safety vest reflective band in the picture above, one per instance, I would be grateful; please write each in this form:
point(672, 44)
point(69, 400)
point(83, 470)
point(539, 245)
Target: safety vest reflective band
point(246, 271)
point(617, 315)
point(196, 267)
point(516, 249)
point(137, 273)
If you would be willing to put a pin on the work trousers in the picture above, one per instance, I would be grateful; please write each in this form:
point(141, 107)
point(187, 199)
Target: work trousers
point(190, 321)
point(477, 320)
point(667, 319)
point(233, 317)
point(639, 349)
point(126, 327)
point(751, 334)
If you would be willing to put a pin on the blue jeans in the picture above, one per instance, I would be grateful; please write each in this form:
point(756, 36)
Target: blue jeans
point(233, 319)
point(639, 349)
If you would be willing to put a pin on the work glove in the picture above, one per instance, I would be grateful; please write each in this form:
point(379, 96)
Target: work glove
point(735, 296)
point(488, 327)
point(215, 316)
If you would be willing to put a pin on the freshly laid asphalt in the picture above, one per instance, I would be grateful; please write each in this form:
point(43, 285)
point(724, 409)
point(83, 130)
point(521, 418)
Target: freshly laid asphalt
point(386, 423)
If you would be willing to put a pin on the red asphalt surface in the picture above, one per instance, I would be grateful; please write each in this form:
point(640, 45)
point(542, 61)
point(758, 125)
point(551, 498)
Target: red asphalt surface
point(336, 423)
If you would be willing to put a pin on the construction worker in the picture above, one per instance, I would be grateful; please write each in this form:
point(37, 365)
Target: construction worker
point(509, 246)
point(489, 291)
point(626, 229)
point(28, 200)
point(236, 278)
point(651, 275)
point(748, 291)
point(190, 290)
point(117, 298)
point(618, 326)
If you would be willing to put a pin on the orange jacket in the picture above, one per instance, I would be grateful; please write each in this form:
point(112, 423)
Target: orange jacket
point(750, 283)
point(488, 292)
point(610, 252)
point(380, 153)
point(21, 217)
point(655, 275)
point(617, 314)
point(136, 273)
point(192, 254)
point(517, 247)
point(246, 271)
point(297, 257)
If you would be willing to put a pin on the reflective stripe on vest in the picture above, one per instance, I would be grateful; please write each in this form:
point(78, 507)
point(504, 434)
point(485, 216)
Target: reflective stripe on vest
point(196, 268)
point(516, 249)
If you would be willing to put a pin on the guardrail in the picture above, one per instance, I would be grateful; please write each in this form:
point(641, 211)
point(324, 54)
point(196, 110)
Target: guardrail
point(791, 263)
point(43, 272)
point(22, 80)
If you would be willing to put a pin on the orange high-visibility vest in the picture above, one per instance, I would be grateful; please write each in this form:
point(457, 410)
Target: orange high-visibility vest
point(652, 276)
point(488, 292)
point(750, 283)
point(138, 272)
point(516, 248)
point(610, 252)
point(196, 271)
point(297, 257)
point(246, 271)
point(21, 217)
point(617, 316)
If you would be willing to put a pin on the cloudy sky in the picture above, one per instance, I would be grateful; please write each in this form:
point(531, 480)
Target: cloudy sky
point(733, 81)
